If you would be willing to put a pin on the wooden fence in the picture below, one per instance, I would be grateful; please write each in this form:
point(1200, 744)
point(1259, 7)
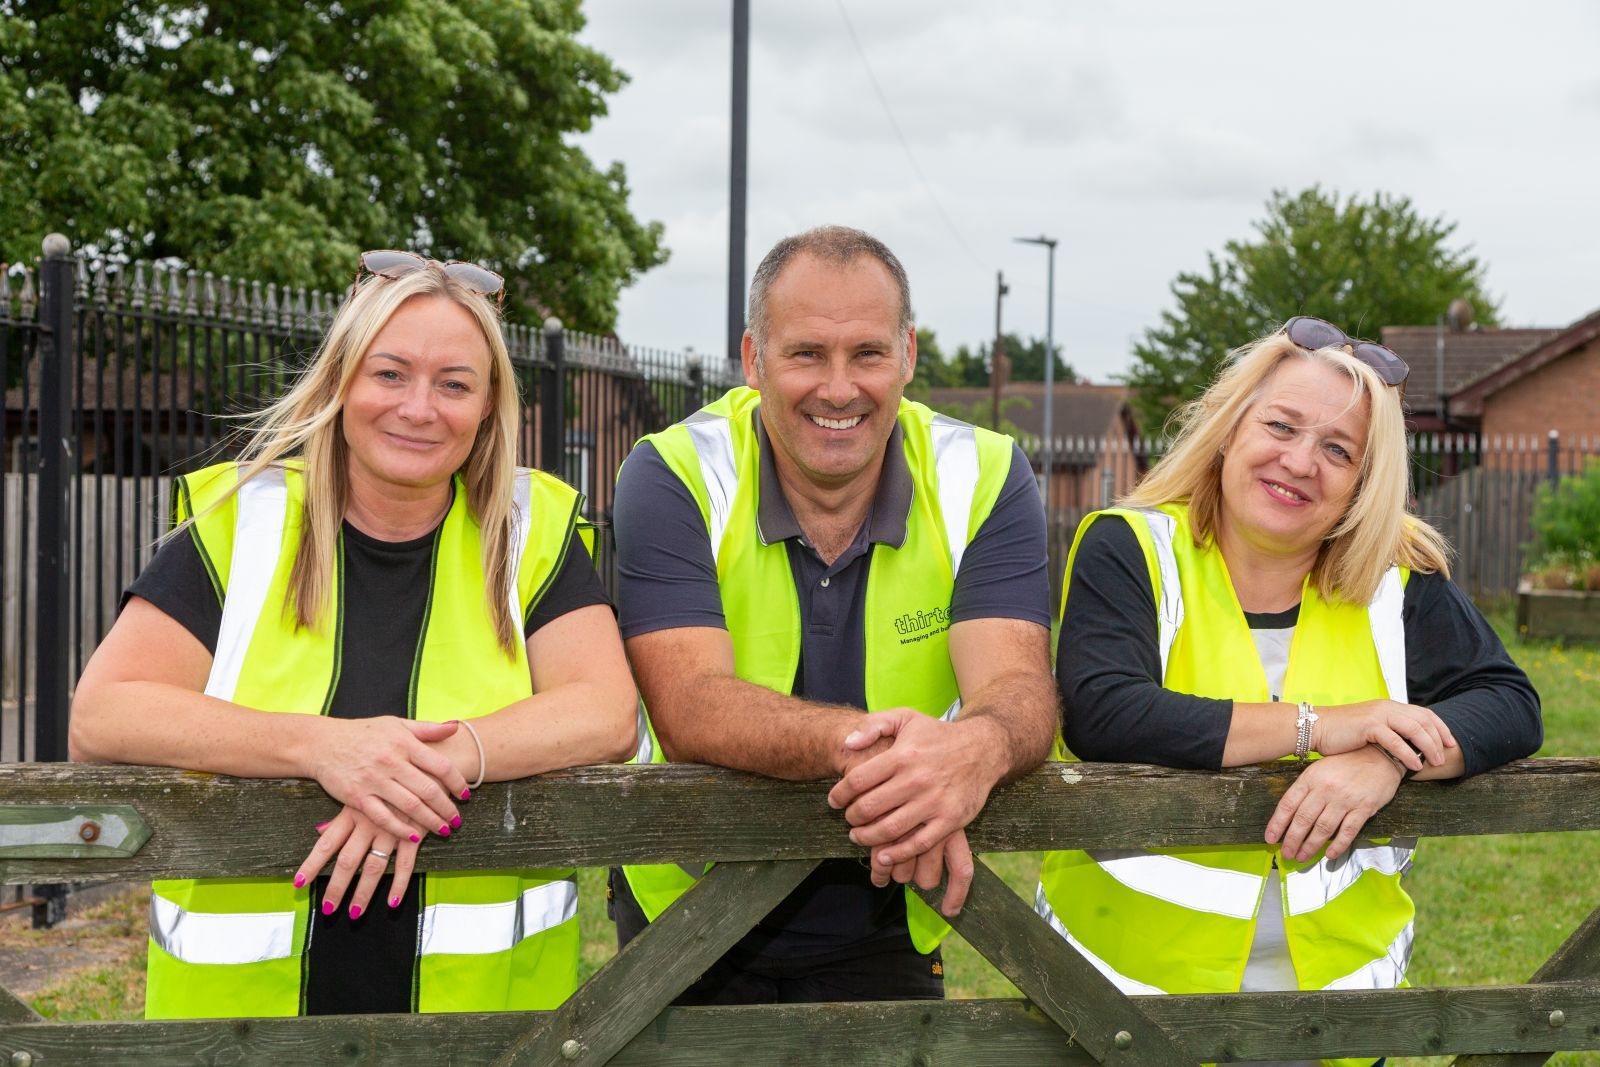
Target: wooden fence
point(767, 835)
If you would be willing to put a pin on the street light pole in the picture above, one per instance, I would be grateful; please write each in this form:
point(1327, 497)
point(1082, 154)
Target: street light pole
point(1048, 461)
point(737, 173)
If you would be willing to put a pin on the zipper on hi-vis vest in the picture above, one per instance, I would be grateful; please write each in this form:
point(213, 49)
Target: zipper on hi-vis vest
point(338, 620)
point(427, 614)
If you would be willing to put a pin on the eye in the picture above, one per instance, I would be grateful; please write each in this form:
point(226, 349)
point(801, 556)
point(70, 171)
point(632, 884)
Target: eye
point(1339, 452)
point(1279, 428)
point(388, 375)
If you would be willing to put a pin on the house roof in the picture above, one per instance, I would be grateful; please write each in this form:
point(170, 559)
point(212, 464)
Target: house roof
point(1080, 409)
point(1468, 400)
point(1468, 355)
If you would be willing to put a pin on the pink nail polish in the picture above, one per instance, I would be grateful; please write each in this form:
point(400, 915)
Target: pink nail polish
point(444, 831)
point(323, 825)
point(355, 911)
point(466, 794)
point(299, 880)
point(455, 822)
point(415, 839)
point(394, 902)
point(327, 907)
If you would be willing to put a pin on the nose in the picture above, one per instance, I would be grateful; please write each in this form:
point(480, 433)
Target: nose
point(1300, 455)
point(417, 403)
point(838, 388)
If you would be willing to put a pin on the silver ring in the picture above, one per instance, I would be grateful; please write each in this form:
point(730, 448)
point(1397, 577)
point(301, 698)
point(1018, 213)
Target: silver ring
point(378, 853)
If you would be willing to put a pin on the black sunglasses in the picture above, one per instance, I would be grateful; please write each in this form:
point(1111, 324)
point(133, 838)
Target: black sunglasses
point(392, 263)
point(1313, 333)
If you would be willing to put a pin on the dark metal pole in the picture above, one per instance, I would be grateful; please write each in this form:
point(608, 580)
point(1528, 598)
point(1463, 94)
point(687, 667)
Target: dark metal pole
point(997, 366)
point(1554, 464)
point(53, 555)
point(553, 400)
point(736, 175)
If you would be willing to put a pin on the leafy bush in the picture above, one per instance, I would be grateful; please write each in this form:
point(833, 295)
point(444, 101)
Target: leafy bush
point(1565, 551)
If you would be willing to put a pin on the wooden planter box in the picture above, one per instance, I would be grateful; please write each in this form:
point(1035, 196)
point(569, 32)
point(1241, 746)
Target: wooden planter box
point(1558, 613)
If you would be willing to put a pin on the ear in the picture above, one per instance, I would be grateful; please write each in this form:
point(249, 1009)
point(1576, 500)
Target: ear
point(747, 359)
point(911, 354)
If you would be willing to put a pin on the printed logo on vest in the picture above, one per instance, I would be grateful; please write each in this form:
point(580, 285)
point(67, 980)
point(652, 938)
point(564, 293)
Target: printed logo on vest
point(921, 625)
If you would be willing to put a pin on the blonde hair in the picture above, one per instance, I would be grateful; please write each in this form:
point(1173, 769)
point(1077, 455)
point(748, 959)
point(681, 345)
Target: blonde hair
point(305, 423)
point(1375, 532)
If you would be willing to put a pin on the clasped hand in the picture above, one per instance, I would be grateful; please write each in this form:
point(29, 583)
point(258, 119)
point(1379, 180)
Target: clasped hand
point(1331, 801)
point(1413, 735)
point(910, 802)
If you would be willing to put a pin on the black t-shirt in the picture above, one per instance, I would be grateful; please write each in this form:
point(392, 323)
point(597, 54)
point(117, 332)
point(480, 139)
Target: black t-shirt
point(365, 965)
point(1108, 664)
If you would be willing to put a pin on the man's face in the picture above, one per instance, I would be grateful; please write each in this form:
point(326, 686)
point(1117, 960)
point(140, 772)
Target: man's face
point(833, 367)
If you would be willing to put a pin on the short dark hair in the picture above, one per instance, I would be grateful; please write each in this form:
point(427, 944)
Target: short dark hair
point(835, 245)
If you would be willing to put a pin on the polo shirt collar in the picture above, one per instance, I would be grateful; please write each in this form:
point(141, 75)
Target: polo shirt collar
point(891, 503)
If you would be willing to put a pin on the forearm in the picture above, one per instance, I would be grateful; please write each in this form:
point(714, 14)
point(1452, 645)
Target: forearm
point(1019, 711)
point(158, 724)
point(1260, 732)
point(573, 725)
point(729, 722)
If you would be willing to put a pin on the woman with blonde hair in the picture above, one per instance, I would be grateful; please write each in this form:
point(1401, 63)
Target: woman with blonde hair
point(376, 597)
point(1263, 594)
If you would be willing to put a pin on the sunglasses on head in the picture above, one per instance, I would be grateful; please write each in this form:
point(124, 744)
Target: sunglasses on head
point(1313, 333)
point(392, 263)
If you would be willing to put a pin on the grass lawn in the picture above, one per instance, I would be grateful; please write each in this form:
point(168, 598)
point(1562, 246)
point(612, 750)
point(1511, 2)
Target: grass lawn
point(1489, 910)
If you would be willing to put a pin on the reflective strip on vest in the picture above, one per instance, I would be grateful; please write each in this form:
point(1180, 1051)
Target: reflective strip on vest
point(480, 929)
point(1388, 633)
point(263, 503)
point(1178, 881)
point(521, 516)
point(1121, 981)
point(713, 446)
point(955, 461)
point(221, 937)
point(1385, 972)
point(1169, 609)
point(646, 752)
point(1312, 888)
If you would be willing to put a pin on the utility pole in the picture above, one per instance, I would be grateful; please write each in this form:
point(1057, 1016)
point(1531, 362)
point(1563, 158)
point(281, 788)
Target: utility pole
point(1049, 366)
point(999, 363)
point(737, 159)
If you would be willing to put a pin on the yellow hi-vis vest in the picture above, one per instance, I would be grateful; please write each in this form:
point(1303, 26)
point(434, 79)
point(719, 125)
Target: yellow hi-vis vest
point(487, 940)
point(957, 471)
point(1181, 920)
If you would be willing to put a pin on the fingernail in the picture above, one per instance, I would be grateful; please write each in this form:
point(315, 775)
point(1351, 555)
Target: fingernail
point(299, 880)
point(415, 839)
point(466, 794)
point(451, 722)
point(355, 911)
point(444, 831)
point(323, 825)
point(852, 738)
point(327, 907)
point(853, 839)
point(394, 902)
point(455, 822)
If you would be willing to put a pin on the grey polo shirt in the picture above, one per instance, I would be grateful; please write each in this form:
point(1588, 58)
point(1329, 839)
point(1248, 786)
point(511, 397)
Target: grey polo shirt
point(667, 578)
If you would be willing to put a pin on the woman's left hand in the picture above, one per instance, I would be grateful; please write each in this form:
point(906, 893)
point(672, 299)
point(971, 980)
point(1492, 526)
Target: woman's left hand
point(1331, 801)
point(353, 842)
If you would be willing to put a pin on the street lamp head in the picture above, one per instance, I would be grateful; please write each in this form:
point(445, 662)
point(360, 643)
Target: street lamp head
point(1048, 242)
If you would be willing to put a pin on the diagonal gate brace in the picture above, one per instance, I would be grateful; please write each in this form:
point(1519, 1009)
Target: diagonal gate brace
point(627, 993)
point(1097, 1015)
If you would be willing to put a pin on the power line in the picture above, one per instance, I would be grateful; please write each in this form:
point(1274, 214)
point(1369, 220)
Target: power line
point(888, 112)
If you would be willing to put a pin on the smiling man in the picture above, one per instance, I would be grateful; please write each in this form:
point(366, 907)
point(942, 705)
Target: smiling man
point(820, 579)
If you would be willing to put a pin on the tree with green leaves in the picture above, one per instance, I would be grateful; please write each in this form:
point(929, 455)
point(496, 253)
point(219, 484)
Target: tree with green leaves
point(1027, 360)
point(1360, 264)
point(276, 140)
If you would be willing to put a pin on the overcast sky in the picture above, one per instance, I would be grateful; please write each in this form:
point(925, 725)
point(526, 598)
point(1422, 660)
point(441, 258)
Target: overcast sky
point(1139, 134)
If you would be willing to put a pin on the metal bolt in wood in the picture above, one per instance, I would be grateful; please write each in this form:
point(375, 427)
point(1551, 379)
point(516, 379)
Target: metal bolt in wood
point(1558, 1018)
point(570, 1049)
point(89, 831)
point(22, 1058)
point(1123, 1039)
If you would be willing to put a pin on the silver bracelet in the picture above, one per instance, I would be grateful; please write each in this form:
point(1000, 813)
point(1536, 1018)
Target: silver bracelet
point(482, 762)
point(1302, 728)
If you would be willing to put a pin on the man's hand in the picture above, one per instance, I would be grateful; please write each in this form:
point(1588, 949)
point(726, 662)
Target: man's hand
point(1333, 798)
point(952, 855)
point(931, 781)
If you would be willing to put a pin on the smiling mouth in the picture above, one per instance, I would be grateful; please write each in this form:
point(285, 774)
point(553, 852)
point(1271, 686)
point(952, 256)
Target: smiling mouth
point(1283, 492)
point(836, 424)
point(410, 442)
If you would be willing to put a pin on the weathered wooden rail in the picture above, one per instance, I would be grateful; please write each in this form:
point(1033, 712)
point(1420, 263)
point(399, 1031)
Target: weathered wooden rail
point(85, 824)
